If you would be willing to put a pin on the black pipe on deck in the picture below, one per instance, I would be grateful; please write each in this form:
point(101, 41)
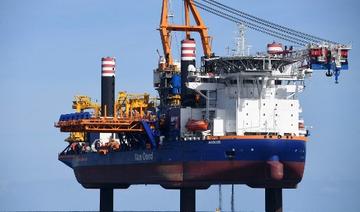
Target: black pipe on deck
point(273, 200)
point(107, 96)
point(187, 200)
point(106, 200)
point(107, 86)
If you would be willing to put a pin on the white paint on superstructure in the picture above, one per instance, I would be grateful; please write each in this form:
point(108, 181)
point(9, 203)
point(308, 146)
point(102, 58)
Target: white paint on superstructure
point(260, 101)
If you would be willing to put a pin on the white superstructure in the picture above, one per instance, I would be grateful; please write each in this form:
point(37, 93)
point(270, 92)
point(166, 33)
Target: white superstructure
point(250, 96)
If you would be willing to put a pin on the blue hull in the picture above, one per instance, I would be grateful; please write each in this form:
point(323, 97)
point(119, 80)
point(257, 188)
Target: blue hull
point(255, 162)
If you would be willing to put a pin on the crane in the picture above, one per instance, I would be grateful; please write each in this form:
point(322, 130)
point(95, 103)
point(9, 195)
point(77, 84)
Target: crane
point(128, 104)
point(80, 104)
point(166, 28)
point(318, 53)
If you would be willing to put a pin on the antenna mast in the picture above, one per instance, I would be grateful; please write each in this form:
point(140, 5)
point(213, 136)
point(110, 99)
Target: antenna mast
point(241, 49)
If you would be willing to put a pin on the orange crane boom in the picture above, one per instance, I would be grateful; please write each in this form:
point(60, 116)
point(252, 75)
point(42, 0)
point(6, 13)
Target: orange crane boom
point(166, 28)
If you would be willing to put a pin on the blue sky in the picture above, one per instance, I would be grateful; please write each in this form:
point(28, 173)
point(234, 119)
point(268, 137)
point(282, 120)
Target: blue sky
point(51, 50)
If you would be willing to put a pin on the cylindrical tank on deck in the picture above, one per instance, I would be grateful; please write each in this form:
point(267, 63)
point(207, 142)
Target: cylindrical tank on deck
point(275, 48)
point(108, 65)
point(176, 84)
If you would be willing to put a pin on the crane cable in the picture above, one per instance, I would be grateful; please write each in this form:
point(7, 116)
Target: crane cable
point(250, 25)
point(268, 23)
point(253, 26)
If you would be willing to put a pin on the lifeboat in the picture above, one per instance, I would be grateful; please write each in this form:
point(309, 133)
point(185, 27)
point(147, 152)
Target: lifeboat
point(197, 125)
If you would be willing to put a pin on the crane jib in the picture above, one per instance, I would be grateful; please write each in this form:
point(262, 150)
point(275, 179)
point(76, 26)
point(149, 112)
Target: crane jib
point(321, 54)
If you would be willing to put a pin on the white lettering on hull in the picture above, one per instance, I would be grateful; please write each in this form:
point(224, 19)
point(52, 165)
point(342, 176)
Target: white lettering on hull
point(144, 156)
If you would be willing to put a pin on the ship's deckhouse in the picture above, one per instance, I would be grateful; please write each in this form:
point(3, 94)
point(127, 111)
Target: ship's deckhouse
point(241, 101)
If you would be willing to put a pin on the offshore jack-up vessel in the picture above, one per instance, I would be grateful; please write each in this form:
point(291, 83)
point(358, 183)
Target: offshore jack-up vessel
point(232, 120)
